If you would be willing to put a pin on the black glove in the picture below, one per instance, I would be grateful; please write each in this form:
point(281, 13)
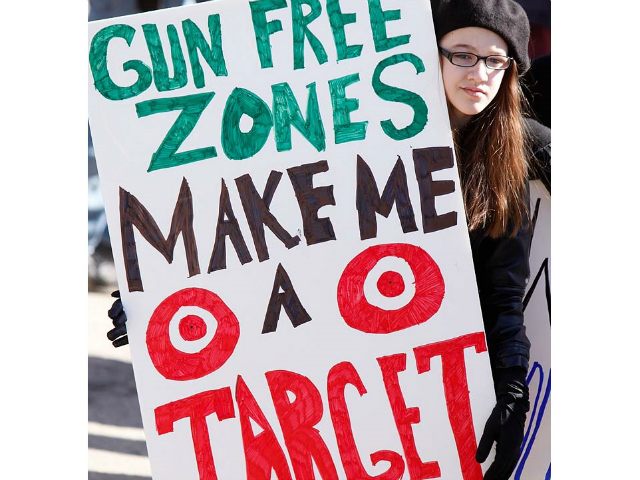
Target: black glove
point(505, 425)
point(118, 335)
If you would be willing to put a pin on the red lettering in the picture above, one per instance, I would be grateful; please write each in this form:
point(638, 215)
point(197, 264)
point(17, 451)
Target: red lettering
point(174, 364)
point(405, 417)
point(297, 419)
point(339, 376)
point(197, 408)
point(299, 409)
point(456, 393)
point(262, 452)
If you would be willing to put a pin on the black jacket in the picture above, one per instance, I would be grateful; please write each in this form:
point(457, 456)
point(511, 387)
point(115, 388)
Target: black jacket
point(540, 146)
point(502, 270)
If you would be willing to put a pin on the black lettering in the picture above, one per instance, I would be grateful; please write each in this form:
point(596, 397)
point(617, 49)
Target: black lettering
point(287, 299)
point(227, 227)
point(256, 209)
point(426, 161)
point(132, 212)
point(369, 202)
point(310, 200)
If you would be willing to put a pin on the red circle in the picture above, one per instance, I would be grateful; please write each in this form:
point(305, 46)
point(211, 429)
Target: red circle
point(390, 284)
point(192, 328)
point(358, 313)
point(175, 364)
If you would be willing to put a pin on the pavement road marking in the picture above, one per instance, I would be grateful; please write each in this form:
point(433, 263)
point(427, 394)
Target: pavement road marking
point(102, 461)
point(114, 431)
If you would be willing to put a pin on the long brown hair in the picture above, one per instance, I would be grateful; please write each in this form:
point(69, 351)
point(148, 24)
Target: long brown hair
point(493, 154)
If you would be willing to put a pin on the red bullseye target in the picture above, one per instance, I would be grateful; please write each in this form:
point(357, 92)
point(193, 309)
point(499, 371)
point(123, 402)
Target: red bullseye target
point(192, 328)
point(175, 364)
point(390, 284)
point(358, 313)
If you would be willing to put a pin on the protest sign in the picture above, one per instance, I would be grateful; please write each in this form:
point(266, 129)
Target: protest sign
point(289, 239)
point(535, 457)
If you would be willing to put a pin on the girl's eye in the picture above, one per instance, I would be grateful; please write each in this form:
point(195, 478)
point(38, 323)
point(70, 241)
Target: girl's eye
point(463, 56)
point(464, 59)
point(496, 62)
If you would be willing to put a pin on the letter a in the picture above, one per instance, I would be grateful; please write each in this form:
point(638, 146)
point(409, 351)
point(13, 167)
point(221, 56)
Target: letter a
point(287, 299)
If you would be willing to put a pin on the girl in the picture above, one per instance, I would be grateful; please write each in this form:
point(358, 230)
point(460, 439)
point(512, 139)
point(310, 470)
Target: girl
point(483, 47)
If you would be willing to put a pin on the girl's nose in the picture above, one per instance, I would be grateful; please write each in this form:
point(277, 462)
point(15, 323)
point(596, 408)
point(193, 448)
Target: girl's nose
point(479, 71)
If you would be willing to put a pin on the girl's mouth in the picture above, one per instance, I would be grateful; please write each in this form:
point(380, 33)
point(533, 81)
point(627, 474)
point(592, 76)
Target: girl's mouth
point(474, 92)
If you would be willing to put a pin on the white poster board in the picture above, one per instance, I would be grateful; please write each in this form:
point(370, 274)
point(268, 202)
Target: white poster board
point(289, 240)
point(535, 457)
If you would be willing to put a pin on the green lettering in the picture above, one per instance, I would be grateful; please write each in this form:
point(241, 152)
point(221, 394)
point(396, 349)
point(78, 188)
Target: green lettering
point(98, 62)
point(286, 112)
point(160, 69)
point(378, 18)
point(344, 130)
point(338, 20)
point(192, 107)
point(263, 29)
point(238, 145)
point(212, 54)
point(300, 31)
point(395, 94)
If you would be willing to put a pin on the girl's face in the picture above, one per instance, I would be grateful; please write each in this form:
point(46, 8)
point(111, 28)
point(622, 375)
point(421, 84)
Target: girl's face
point(470, 89)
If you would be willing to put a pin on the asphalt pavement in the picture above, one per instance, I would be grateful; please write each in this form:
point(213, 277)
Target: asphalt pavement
point(117, 447)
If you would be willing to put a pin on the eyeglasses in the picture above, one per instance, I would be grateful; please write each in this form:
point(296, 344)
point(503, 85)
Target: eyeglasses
point(464, 59)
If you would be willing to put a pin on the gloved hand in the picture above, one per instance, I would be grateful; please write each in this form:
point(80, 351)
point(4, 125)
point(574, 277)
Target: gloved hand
point(118, 335)
point(505, 425)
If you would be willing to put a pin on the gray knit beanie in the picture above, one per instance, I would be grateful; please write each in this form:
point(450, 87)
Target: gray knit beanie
point(504, 17)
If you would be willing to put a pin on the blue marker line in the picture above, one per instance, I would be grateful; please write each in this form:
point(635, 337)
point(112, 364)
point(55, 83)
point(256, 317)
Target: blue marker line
point(539, 417)
point(536, 367)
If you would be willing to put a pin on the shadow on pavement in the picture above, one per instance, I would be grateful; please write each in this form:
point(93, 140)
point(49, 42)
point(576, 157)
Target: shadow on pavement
point(113, 398)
